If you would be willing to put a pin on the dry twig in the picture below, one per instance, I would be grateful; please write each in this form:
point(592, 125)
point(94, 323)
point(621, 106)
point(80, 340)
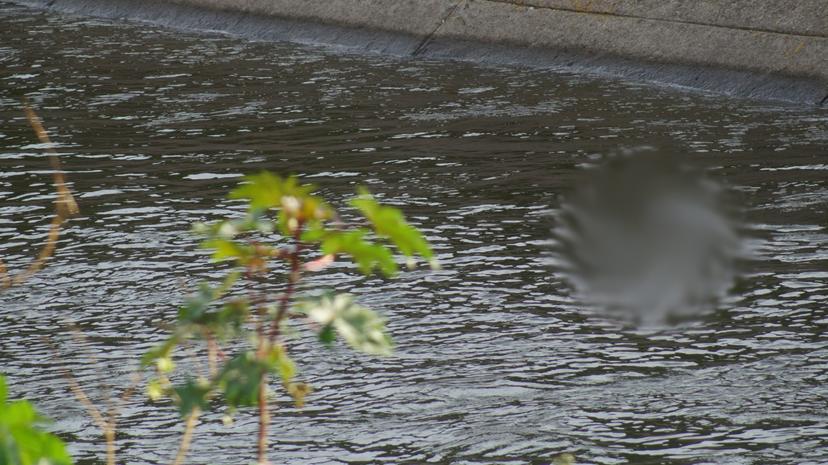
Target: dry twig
point(65, 208)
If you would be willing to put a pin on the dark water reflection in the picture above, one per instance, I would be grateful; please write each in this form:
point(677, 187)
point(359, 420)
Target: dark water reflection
point(496, 362)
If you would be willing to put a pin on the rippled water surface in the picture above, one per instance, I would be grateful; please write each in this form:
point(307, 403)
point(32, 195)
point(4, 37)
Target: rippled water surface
point(496, 362)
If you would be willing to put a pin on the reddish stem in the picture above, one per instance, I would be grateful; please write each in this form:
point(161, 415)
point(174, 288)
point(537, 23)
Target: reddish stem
point(293, 278)
point(284, 304)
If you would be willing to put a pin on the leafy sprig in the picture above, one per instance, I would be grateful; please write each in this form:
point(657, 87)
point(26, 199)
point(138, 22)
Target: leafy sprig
point(286, 222)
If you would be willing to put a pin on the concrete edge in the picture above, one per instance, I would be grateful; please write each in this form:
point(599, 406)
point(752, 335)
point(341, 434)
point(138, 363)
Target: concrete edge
point(494, 32)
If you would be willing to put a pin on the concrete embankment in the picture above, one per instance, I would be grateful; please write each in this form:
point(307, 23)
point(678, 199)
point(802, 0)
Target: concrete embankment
point(766, 49)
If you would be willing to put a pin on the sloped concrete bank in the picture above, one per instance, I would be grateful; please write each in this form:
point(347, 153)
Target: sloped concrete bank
point(765, 49)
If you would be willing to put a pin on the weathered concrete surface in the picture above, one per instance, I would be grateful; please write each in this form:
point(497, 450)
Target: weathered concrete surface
point(804, 17)
point(648, 40)
point(769, 49)
point(415, 17)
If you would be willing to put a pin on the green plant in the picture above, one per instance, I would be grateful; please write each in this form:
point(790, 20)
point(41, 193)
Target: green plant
point(286, 223)
point(22, 442)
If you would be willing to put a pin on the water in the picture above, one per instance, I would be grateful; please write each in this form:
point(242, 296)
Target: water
point(496, 361)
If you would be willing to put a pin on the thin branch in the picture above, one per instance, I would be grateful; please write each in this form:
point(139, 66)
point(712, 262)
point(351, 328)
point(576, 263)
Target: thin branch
point(5, 279)
point(65, 208)
point(187, 437)
point(105, 425)
point(65, 204)
point(80, 394)
point(293, 279)
point(125, 396)
point(295, 275)
point(264, 421)
point(107, 422)
point(213, 354)
point(45, 253)
point(264, 415)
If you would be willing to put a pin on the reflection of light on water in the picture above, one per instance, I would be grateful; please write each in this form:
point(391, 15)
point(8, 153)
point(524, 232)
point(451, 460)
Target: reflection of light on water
point(647, 239)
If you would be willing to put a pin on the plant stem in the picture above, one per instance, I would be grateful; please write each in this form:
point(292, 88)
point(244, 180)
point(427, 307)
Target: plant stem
point(109, 434)
point(212, 356)
point(105, 425)
point(264, 417)
point(187, 438)
point(264, 420)
point(284, 304)
point(293, 279)
point(65, 208)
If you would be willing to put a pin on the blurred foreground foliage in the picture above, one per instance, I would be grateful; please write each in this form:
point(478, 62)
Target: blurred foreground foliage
point(287, 230)
point(22, 442)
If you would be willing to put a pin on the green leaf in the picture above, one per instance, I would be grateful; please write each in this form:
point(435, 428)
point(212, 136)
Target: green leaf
point(240, 379)
point(360, 327)
point(263, 190)
point(226, 284)
point(267, 190)
point(196, 305)
point(315, 231)
point(161, 351)
point(251, 255)
point(253, 221)
point(228, 321)
point(21, 440)
point(364, 330)
point(279, 362)
point(564, 459)
point(327, 335)
point(191, 396)
point(225, 249)
point(155, 390)
point(298, 391)
point(390, 223)
point(224, 323)
point(367, 255)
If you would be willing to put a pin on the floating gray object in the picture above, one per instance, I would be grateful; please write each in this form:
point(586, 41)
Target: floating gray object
point(647, 239)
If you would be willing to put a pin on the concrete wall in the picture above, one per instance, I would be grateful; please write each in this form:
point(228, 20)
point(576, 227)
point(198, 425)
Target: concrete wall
point(770, 49)
point(804, 17)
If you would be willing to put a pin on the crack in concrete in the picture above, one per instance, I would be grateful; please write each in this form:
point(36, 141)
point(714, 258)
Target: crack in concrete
point(427, 39)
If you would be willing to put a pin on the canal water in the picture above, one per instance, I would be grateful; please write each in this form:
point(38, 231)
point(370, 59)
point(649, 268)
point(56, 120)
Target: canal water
point(497, 361)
